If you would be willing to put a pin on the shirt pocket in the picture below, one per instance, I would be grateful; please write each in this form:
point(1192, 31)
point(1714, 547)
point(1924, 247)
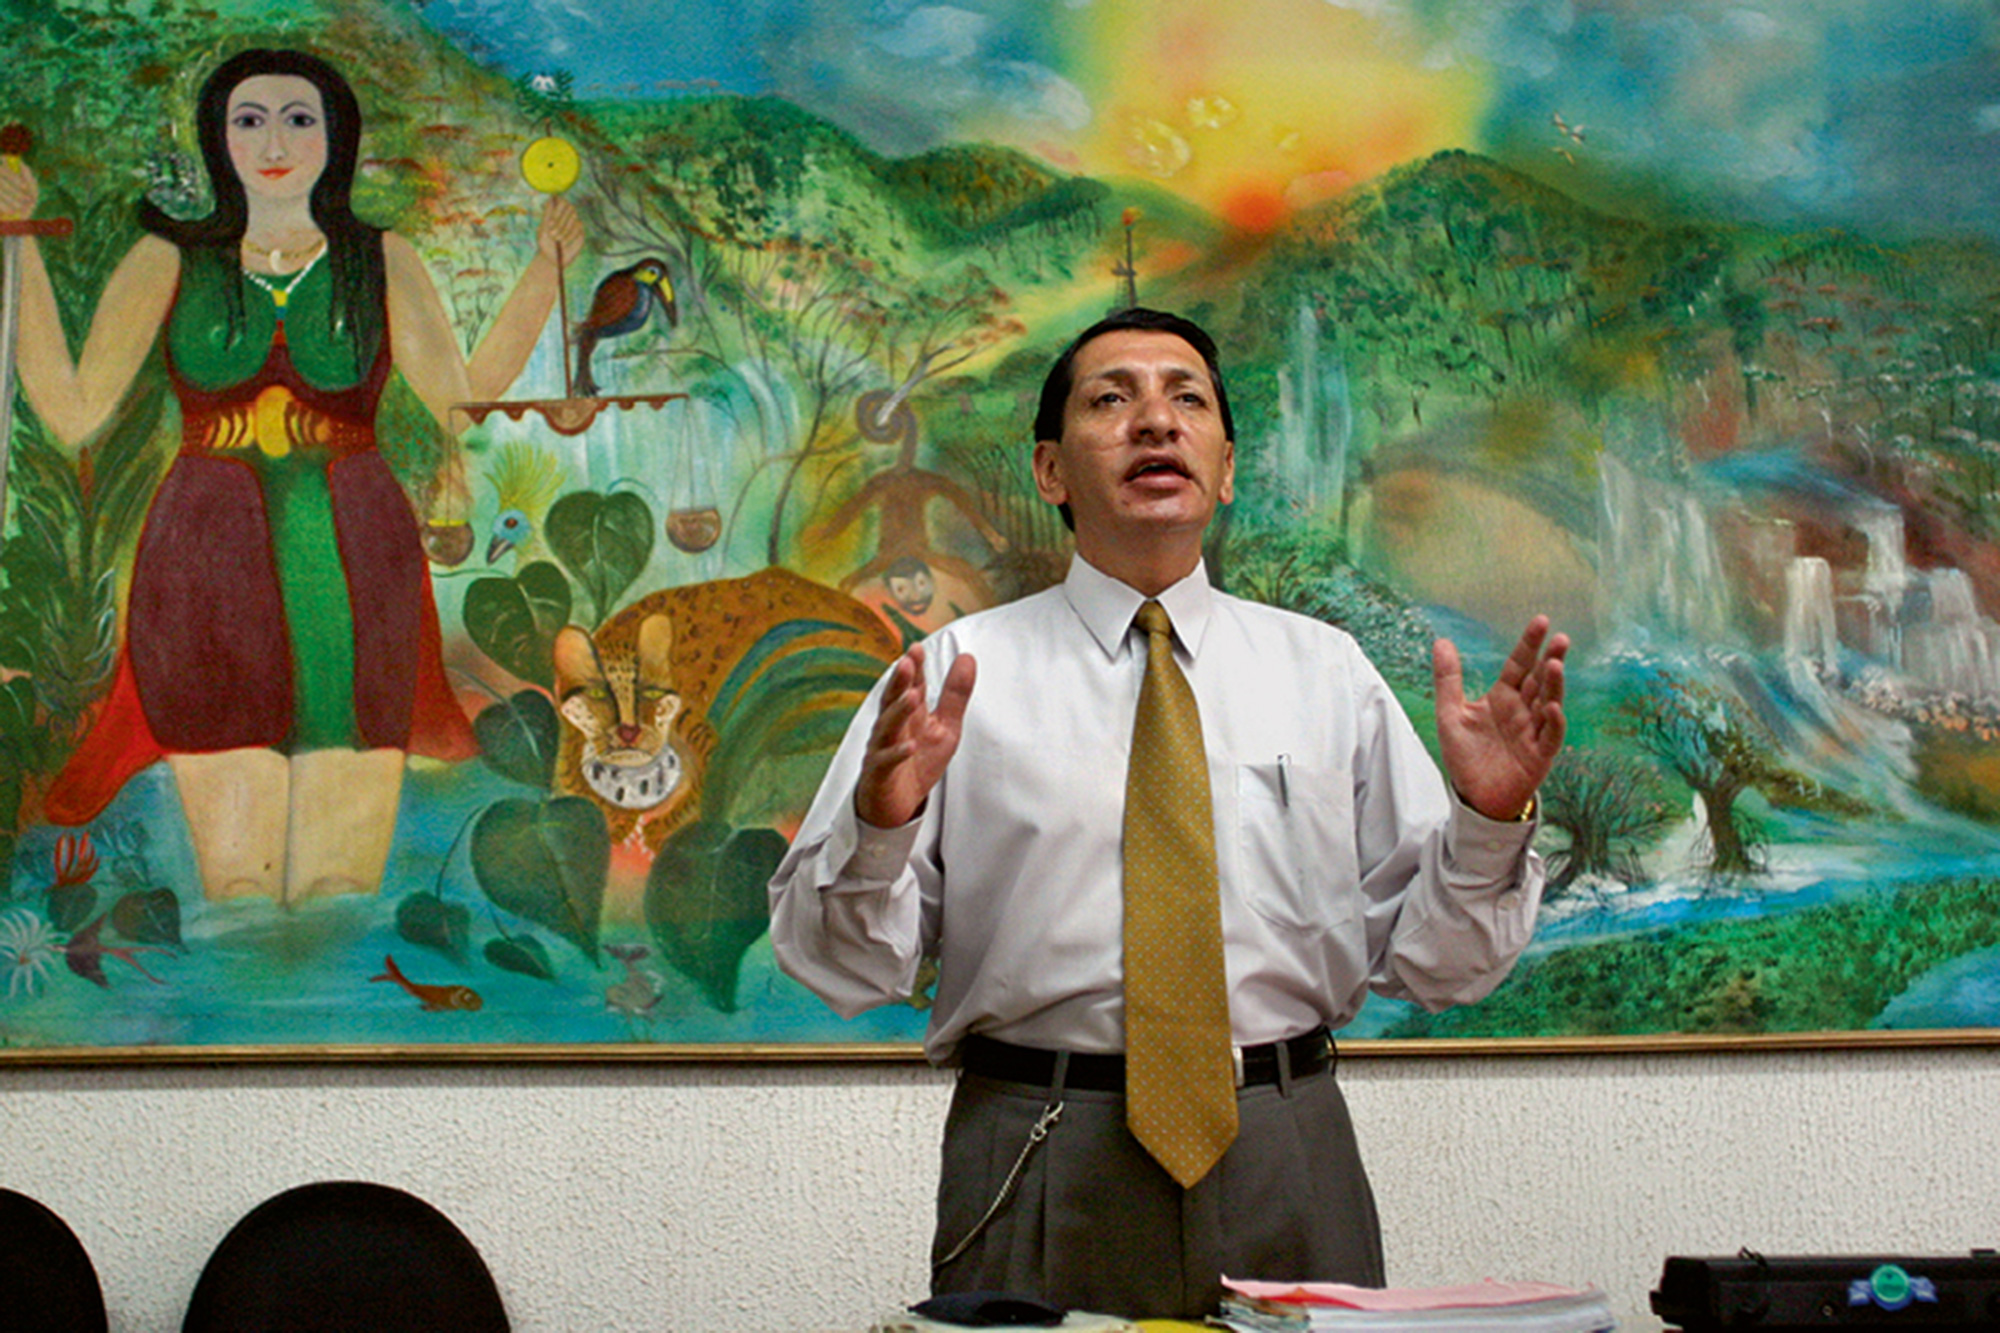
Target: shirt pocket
point(1295, 838)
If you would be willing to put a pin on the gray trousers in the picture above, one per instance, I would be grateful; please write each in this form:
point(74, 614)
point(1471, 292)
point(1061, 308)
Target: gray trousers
point(1094, 1223)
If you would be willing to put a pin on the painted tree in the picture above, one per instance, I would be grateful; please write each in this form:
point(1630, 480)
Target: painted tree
point(1715, 745)
point(792, 306)
point(1608, 806)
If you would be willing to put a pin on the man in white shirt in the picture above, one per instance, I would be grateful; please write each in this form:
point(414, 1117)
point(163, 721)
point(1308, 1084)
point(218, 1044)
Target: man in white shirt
point(984, 829)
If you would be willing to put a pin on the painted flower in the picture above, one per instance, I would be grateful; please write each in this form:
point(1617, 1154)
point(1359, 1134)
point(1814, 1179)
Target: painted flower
point(28, 951)
point(75, 859)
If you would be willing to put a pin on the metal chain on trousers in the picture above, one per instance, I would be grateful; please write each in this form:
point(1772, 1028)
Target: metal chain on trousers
point(1050, 1114)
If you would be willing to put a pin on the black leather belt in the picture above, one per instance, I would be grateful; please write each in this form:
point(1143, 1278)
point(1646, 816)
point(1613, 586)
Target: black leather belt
point(1310, 1054)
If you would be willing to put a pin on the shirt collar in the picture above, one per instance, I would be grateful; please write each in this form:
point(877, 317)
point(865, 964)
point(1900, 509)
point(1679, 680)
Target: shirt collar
point(1106, 606)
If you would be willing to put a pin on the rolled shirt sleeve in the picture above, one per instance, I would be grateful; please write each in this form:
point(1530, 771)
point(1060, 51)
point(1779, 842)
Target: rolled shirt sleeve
point(845, 910)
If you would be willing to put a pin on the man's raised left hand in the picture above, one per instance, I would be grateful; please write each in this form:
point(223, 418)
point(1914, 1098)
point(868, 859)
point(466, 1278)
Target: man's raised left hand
point(1499, 747)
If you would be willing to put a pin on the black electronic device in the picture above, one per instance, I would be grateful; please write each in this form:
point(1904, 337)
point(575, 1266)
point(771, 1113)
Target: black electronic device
point(1754, 1291)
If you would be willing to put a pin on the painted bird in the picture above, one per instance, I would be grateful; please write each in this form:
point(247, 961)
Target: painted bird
point(623, 303)
point(511, 527)
point(526, 480)
point(86, 951)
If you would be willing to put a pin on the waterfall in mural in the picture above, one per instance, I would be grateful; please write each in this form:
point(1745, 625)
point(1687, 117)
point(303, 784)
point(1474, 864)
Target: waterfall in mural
point(1872, 619)
point(1925, 626)
point(1955, 649)
point(1315, 419)
point(1660, 568)
point(1888, 571)
point(1810, 634)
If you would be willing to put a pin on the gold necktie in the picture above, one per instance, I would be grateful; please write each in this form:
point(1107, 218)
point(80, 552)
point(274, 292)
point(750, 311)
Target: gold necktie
point(1180, 1082)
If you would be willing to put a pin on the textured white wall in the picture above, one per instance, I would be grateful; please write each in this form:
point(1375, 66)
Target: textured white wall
point(784, 1198)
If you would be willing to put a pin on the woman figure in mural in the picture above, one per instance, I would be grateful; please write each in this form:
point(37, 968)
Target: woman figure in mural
point(281, 649)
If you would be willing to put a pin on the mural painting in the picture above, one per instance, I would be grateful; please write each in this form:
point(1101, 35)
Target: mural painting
point(458, 487)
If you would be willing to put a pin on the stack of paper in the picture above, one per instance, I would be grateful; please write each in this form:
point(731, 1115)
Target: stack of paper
point(1479, 1307)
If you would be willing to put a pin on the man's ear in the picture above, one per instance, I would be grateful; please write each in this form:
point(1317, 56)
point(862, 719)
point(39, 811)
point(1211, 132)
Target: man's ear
point(1228, 491)
point(1048, 472)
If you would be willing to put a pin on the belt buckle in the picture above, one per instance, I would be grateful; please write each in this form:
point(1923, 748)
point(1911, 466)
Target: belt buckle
point(1236, 1059)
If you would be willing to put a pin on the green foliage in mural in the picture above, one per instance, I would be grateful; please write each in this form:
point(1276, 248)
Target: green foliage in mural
point(604, 541)
point(852, 272)
point(150, 916)
point(70, 926)
point(514, 620)
point(523, 954)
point(58, 612)
point(25, 749)
point(1823, 969)
point(70, 904)
point(706, 902)
point(1608, 807)
point(429, 921)
point(519, 737)
point(1721, 752)
point(59, 586)
point(547, 862)
point(1302, 568)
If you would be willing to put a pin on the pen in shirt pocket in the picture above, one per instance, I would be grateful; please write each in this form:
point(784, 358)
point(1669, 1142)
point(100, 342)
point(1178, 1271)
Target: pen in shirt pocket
point(1285, 780)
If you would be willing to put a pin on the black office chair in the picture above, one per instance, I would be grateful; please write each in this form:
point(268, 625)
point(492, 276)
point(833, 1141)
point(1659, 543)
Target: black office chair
point(47, 1282)
point(338, 1256)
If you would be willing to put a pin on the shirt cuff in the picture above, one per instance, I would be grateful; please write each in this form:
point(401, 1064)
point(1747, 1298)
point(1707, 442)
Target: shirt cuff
point(867, 856)
point(1488, 848)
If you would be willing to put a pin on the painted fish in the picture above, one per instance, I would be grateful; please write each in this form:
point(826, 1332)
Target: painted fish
point(435, 998)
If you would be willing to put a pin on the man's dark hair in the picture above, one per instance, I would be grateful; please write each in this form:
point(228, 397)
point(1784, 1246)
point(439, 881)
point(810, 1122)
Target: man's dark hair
point(1055, 389)
point(1062, 375)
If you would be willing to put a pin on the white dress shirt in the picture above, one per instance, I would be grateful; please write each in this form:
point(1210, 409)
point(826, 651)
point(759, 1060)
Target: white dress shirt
point(1344, 863)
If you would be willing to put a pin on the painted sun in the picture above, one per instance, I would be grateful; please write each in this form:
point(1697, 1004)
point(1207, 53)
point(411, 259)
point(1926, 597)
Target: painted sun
point(1211, 108)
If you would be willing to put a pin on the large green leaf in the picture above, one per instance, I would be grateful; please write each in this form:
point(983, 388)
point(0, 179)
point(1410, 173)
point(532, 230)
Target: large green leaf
point(428, 921)
point(148, 916)
point(604, 540)
point(707, 902)
point(546, 862)
point(70, 905)
point(514, 621)
point(523, 954)
point(519, 738)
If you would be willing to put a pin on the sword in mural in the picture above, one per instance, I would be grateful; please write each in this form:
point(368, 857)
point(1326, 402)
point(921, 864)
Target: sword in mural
point(15, 142)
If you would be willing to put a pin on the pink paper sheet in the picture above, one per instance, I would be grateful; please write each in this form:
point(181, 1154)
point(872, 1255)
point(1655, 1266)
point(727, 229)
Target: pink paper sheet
point(1471, 1295)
